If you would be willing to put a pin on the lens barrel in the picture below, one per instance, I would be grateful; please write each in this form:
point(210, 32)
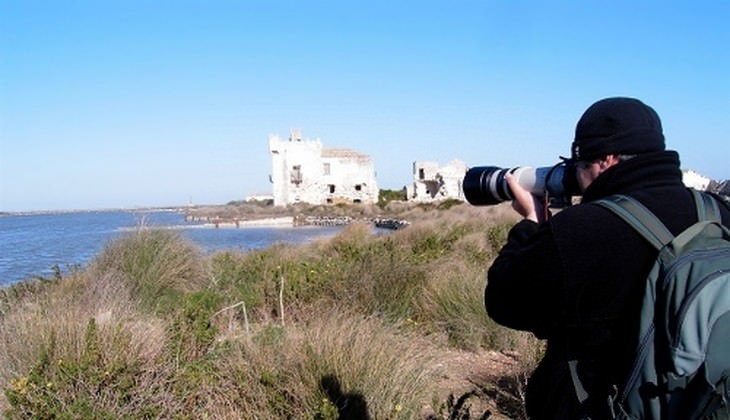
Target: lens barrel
point(486, 185)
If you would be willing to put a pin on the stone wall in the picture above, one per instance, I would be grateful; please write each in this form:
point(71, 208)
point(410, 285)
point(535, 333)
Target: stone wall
point(432, 182)
point(303, 171)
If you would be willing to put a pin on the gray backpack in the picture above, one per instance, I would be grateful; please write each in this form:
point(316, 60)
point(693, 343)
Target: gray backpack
point(682, 364)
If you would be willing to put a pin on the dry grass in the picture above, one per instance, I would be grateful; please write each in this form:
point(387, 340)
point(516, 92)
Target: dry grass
point(390, 365)
point(332, 362)
point(353, 325)
point(152, 263)
point(49, 331)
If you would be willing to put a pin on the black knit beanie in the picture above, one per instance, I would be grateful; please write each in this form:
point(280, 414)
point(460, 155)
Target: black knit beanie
point(617, 126)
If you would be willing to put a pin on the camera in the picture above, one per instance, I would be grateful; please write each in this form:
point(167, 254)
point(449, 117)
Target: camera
point(485, 185)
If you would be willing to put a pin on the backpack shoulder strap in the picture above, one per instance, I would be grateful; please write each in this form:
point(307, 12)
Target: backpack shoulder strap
point(707, 207)
point(639, 217)
point(647, 224)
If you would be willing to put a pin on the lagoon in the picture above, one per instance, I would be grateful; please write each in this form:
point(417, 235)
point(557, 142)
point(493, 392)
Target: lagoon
point(32, 244)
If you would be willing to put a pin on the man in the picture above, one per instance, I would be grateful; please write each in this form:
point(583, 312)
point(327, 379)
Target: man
point(578, 278)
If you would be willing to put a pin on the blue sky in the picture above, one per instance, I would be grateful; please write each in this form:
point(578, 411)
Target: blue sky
point(128, 103)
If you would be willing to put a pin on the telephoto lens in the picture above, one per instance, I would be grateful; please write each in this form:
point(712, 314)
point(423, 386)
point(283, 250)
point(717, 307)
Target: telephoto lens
point(485, 185)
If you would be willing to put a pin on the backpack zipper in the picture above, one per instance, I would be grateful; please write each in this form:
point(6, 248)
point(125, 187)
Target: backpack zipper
point(648, 338)
point(688, 301)
point(642, 353)
point(689, 298)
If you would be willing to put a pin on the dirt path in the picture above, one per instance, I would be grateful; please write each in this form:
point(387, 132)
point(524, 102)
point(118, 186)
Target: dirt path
point(489, 375)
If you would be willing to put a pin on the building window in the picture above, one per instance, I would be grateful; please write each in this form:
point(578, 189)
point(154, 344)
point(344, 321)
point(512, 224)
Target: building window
point(358, 187)
point(421, 174)
point(296, 175)
point(326, 168)
point(331, 188)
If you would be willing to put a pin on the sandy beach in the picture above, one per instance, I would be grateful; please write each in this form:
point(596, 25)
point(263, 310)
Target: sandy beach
point(287, 221)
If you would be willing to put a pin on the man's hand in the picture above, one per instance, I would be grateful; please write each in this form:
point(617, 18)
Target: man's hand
point(524, 203)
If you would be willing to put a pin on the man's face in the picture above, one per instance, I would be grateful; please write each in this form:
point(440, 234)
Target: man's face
point(588, 170)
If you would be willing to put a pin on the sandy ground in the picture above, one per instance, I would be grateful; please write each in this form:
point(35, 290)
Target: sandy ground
point(470, 372)
point(267, 222)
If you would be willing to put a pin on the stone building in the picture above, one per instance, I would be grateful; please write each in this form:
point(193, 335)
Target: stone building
point(432, 182)
point(303, 171)
point(694, 180)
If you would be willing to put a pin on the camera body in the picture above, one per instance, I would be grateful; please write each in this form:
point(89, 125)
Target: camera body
point(485, 185)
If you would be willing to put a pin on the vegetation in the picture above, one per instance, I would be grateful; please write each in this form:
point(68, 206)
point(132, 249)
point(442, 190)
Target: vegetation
point(386, 196)
point(356, 326)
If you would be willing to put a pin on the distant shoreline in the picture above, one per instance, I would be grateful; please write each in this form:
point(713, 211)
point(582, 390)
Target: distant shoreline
point(271, 222)
point(285, 221)
point(110, 210)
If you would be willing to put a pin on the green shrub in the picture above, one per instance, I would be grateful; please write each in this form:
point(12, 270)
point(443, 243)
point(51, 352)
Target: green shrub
point(191, 327)
point(247, 278)
point(497, 236)
point(386, 196)
point(9, 296)
point(448, 203)
point(97, 383)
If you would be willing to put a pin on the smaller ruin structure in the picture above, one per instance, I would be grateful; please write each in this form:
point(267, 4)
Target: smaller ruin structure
point(303, 171)
point(694, 180)
point(699, 182)
point(432, 182)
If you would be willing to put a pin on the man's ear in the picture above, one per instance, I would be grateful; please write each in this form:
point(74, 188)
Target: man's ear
point(608, 161)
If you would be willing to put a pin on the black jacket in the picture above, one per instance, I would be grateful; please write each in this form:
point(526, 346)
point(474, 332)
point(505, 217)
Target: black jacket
point(577, 281)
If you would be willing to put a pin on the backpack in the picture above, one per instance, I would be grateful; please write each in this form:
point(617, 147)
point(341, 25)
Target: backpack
point(682, 365)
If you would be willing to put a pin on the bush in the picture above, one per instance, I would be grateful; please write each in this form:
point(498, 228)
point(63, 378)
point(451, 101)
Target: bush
point(154, 263)
point(95, 384)
point(386, 196)
point(79, 347)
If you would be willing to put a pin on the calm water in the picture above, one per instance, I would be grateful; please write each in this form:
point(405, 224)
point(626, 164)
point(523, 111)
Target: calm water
point(30, 245)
